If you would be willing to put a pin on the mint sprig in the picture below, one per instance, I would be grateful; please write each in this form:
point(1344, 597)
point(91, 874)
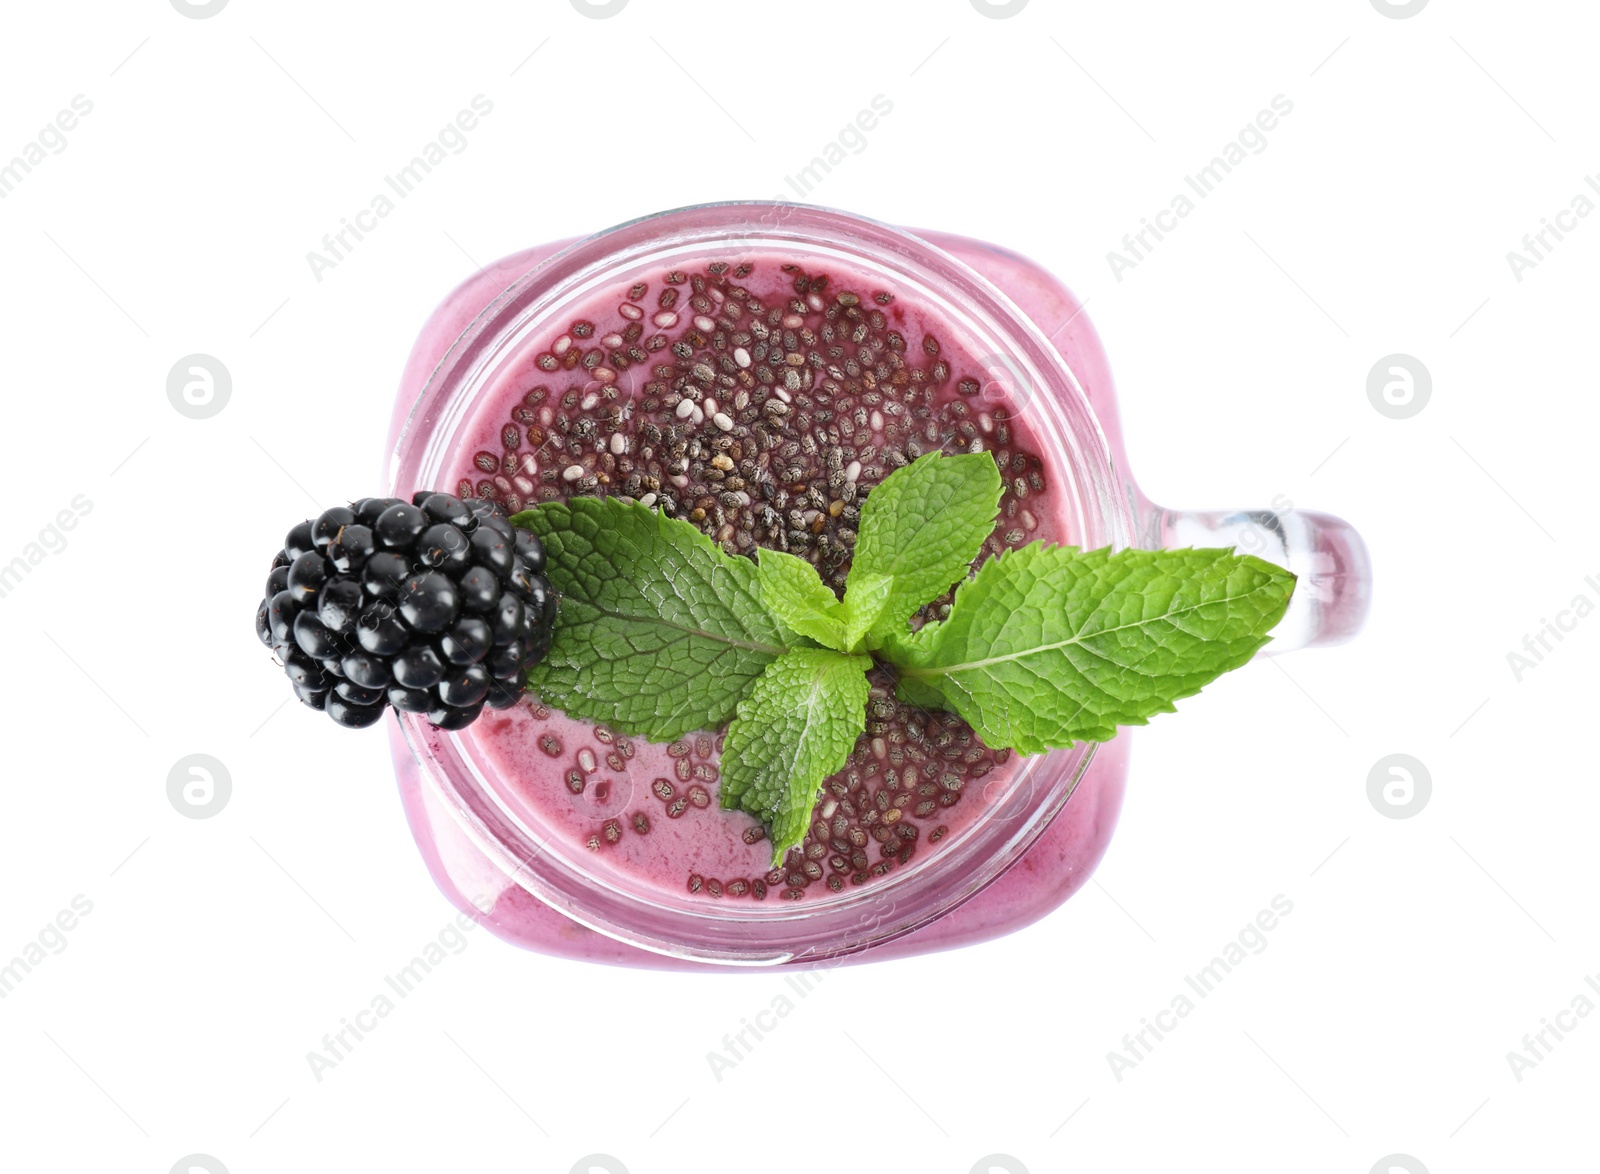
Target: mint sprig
point(660, 632)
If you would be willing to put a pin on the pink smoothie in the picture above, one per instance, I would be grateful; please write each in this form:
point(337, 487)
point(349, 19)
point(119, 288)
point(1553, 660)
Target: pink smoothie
point(648, 814)
point(761, 402)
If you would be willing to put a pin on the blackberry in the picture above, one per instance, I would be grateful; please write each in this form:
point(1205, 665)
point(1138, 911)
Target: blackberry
point(436, 606)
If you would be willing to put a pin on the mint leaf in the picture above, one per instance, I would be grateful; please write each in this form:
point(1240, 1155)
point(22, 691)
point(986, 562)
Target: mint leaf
point(796, 594)
point(867, 595)
point(659, 632)
point(1049, 645)
point(922, 527)
point(797, 727)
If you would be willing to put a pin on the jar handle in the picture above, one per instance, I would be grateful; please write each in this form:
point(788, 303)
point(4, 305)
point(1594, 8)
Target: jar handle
point(1335, 572)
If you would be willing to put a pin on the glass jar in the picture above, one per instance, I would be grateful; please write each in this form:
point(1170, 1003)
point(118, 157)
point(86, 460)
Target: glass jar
point(1044, 828)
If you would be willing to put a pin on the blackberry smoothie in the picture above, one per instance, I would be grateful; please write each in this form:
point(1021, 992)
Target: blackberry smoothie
point(756, 370)
point(761, 399)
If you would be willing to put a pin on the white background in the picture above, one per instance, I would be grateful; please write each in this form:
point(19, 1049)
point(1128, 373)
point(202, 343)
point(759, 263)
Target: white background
point(1420, 951)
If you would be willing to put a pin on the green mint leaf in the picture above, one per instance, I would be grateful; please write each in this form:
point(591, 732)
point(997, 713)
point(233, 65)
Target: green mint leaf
point(796, 594)
point(918, 691)
point(922, 527)
point(659, 631)
point(867, 594)
point(796, 727)
point(1048, 645)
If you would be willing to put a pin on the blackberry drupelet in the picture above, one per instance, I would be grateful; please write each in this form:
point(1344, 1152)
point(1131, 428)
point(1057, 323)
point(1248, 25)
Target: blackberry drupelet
point(435, 606)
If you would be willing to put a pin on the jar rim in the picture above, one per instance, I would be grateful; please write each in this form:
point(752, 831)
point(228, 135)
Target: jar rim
point(751, 933)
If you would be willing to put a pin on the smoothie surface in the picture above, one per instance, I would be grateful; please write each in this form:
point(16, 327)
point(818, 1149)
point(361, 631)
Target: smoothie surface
point(761, 398)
